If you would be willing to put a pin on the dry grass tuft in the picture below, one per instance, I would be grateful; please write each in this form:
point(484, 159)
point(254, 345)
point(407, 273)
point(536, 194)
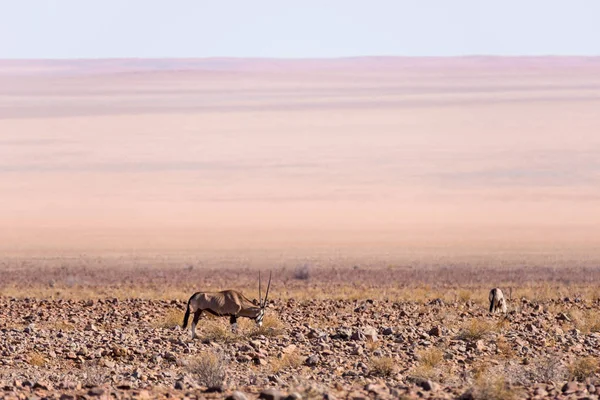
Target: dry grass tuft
point(586, 322)
point(490, 387)
point(430, 358)
point(502, 324)
point(287, 361)
point(382, 366)
point(216, 331)
point(504, 348)
point(271, 326)
point(170, 320)
point(209, 368)
point(422, 372)
point(302, 272)
point(583, 368)
point(62, 326)
point(36, 359)
point(474, 330)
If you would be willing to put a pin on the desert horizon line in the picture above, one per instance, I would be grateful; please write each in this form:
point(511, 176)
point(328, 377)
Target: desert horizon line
point(355, 57)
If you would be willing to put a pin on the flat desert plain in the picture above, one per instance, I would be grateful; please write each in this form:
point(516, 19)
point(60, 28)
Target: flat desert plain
point(386, 195)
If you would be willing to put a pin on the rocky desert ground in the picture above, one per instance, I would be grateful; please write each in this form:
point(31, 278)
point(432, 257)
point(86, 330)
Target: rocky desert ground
point(98, 328)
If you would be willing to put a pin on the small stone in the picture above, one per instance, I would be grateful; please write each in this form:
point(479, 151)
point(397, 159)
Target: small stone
point(312, 360)
point(293, 396)
point(428, 385)
point(358, 335)
point(570, 387)
point(179, 385)
point(96, 391)
point(289, 349)
point(370, 334)
point(43, 385)
point(236, 396)
point(435, 331)
point(270, 394)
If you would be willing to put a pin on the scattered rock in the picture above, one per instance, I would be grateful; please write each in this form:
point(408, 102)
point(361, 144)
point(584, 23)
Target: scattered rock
point(312, 360)
point(236, 396)
point(271, 394)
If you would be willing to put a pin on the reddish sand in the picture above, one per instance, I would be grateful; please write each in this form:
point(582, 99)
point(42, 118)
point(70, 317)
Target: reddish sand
point(371, 156)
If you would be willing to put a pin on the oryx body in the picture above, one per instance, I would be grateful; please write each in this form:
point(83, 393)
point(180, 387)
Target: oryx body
point(497, 301)
point(230, 303)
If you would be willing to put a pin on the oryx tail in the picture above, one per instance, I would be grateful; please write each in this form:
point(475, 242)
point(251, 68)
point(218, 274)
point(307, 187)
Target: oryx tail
point(187, 313)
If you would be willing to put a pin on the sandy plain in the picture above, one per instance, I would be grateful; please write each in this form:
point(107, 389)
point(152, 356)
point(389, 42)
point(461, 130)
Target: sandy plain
point(392, 154)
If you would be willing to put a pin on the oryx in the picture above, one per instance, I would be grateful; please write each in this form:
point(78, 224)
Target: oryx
point(497, 301)
point(229, 303)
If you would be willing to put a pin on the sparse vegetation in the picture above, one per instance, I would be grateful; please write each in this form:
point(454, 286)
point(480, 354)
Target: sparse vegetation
point(491, 387)
point(209, 368)
point(287, 361)
point(37, 359)
point(475, 329)
point(171, 319)
point(431, 357)
point(271, 326)
point(302, 272)
point(382, 366)
point(504, 348)
point(583, 368)
point(511, 347)
point(217, 331)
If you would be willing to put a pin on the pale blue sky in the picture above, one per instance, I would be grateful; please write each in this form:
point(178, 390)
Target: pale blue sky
point(307, 28)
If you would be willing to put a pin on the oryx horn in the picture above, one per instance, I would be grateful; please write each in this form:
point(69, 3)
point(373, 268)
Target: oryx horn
point(259, 290)
point(264, 303)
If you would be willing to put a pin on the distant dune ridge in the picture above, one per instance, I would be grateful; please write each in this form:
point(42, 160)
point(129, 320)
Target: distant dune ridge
point(382, 155)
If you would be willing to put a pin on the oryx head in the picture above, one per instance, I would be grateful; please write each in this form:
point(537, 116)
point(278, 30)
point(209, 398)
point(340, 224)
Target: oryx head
point(262, 303)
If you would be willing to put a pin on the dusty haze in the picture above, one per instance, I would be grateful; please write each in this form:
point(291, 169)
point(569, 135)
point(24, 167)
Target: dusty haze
point(362, 156)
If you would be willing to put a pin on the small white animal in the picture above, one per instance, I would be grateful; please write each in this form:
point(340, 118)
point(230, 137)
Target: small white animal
point(497, 301)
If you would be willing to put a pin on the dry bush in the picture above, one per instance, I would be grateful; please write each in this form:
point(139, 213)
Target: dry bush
point(504, 348)
point(545, 369)
point(271, 326)
point(170, 320)
point(62, 326)
point(372, 346)
point(479, 370)
point(422, 372)
point(583, 368)
point(586, 322)
point(216, 331)
point(382, 366)
point(464, 295)
point(36, 359)
point(302, 272)
point(474, 330)
point(431, 358)
point(502, 324)
point(491, 387)
point(287, 361)
point(209, 368)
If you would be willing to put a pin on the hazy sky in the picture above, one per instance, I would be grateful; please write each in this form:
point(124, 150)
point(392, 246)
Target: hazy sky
point(309, 28)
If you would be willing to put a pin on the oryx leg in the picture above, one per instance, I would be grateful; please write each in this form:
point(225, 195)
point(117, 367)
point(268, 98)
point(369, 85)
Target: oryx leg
point(233, 322)
point(197, 316)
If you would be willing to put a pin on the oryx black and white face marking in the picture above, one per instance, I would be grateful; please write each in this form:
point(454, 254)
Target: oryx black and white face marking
point(259, 318)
